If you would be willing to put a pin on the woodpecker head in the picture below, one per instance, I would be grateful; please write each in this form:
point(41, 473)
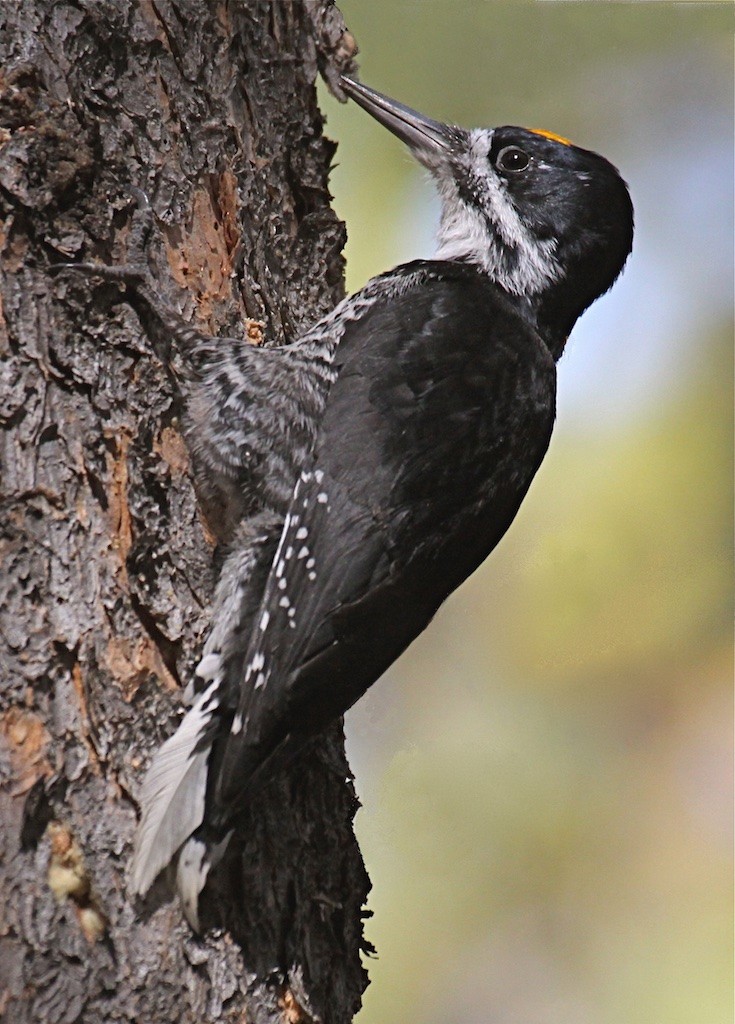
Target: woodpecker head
point(548, 221)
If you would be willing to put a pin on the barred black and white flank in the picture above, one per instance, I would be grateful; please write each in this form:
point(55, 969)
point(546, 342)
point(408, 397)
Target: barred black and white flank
point(372, 465)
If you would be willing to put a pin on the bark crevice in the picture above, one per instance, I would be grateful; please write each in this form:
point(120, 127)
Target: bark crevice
point(108, 566)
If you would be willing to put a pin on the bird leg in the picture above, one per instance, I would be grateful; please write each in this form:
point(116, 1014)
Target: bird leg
point(171, 335)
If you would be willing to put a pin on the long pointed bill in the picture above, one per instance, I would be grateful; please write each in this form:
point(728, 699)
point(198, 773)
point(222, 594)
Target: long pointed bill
point(424, 136)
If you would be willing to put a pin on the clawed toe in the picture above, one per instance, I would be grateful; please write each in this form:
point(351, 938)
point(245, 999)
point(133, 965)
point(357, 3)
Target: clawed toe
point(134, 273)
point(125, 273)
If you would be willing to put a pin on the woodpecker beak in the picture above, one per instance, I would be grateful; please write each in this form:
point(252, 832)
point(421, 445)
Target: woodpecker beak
point(427, 139)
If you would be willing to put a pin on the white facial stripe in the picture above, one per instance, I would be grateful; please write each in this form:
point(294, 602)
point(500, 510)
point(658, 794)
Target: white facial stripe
point(464, 231)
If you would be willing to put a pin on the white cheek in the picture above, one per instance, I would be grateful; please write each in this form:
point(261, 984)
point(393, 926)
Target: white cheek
point(484, 232)
point(481, 139)
point(462, 233)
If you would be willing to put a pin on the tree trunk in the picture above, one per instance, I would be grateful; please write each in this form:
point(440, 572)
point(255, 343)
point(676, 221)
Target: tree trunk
point(108, 560)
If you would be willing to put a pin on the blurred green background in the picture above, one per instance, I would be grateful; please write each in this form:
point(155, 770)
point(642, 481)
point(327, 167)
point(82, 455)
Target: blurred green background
point(546, 774)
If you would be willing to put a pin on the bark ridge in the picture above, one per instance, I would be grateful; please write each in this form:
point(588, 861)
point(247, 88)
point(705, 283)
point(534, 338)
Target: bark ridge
point(108, 561)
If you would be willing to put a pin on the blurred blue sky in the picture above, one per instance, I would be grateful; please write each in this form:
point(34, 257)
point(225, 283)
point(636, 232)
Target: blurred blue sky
point(637, 341)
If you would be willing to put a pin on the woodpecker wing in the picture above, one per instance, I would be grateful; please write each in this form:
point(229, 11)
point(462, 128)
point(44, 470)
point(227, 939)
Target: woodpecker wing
point(451, 375)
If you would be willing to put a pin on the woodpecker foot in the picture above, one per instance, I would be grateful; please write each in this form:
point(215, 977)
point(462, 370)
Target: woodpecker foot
point(134, 273)
point(174, 339)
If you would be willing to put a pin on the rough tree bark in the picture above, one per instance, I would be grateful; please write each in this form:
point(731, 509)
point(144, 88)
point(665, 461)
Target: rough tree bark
point(108, 558)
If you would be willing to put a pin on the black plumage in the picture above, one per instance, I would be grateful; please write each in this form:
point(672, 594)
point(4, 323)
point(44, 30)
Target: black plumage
point(406, 426)
point(432, 433)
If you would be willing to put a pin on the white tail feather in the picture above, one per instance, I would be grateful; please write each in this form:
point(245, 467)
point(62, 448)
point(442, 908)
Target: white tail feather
point(191, 874)
point(195, 862)
point(172, 797)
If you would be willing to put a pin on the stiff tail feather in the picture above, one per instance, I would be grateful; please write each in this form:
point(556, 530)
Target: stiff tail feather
point(173, 793)
point(196, 859)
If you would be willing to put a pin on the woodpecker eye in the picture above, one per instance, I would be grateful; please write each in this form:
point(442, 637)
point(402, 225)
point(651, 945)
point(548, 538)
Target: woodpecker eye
point(512, 159)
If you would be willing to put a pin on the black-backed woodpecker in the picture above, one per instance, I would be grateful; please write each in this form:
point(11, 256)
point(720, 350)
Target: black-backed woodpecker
point(386, 451)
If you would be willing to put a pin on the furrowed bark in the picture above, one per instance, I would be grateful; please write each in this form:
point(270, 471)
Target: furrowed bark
point(108, 564)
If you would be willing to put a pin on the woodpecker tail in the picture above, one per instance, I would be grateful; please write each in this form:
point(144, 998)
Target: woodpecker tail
point(174, 789)
point(197, 857)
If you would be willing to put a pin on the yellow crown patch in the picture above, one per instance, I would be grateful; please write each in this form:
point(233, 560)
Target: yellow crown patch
point(551, 135)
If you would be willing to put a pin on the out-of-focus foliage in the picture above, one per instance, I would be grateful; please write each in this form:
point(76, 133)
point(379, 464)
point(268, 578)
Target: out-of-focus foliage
point(629, 561)
point(554, 828)
point(546, 773)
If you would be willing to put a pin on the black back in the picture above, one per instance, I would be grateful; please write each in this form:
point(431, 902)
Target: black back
point(434, 428)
